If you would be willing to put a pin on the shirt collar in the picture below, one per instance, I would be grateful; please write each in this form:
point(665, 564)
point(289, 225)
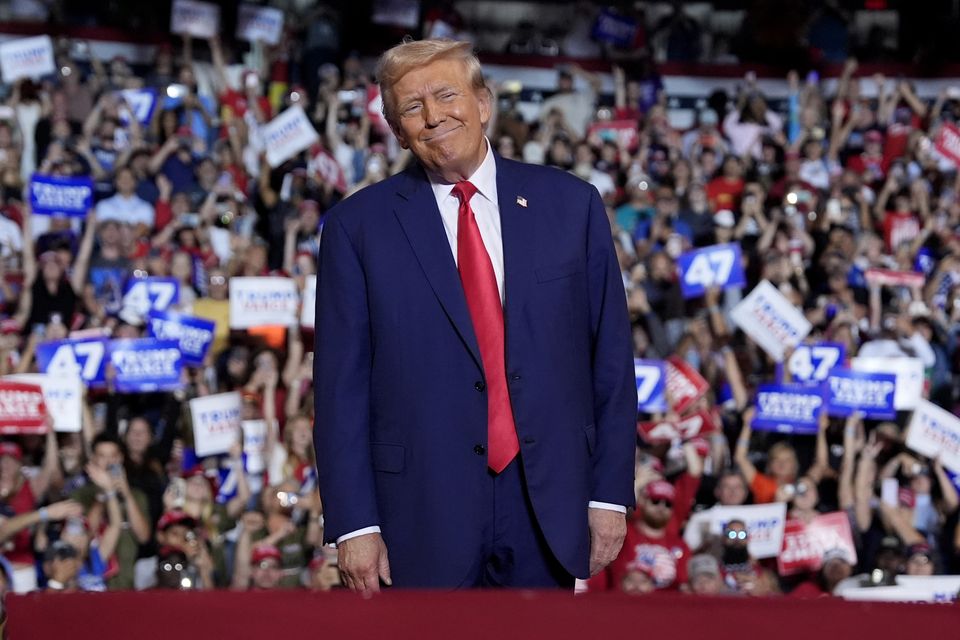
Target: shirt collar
point(484, 179)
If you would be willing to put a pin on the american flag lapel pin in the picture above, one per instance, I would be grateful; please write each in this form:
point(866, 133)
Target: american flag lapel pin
point(522, 201)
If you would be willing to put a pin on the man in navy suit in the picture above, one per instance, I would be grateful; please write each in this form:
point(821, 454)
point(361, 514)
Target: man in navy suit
point(475, 395)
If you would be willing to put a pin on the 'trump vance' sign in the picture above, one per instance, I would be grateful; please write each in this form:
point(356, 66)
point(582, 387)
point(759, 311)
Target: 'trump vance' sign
point(935, 432)
point(788, 408)
point(216, 423)
point(146, 364)
point(21, 408)
point(870, 393)
point(771, 320)
point(287, 135)
point(261, 302)
point(55, 195)
point(26, 58)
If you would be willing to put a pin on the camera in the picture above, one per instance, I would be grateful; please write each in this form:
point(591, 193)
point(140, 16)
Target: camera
point(287, 499)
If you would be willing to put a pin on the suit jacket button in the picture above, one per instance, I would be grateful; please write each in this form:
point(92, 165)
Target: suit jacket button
point(479, 386)
point(480, 450)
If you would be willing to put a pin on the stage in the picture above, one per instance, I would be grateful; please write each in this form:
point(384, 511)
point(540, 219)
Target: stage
point(489, 615)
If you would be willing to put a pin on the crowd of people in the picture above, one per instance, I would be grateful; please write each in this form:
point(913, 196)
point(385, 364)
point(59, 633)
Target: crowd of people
point(815, 196)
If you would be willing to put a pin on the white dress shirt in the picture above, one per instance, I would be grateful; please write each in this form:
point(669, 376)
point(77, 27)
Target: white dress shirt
point(486, 209)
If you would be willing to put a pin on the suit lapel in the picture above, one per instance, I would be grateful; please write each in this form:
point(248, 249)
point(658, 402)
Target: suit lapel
point(519, 238)
point(420, 219)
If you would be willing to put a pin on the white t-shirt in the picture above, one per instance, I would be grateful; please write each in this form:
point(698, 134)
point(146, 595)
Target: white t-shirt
point(132, 210)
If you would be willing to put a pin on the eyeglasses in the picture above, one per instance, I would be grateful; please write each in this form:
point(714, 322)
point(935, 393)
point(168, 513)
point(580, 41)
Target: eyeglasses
point(268, 565)
point(736, 535)
point(218, 280)
point(661, 502)
point(171, 566)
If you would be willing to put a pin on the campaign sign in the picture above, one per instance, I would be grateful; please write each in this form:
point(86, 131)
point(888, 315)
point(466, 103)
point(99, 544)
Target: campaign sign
point(888, 278)
point(193, 335)
point(651, 378)
point(63, 396)
point(718, 266)
point(908, 371)
point(287, 135)
point(262, 302)
point(26, 58)
point(804, 544)
point(935, 432)
point(622, 132)
point(695, 425)
point(197, 19)
point(788, 409)
point(61, 196)
point(765, 524)
point(813, 362)
point(308, 307)
point(84, 357)
point(929, 589)
point(771, 320)
point(255, 445)
point(613, 28)
point(146, 364)
point(325, 168)
point(262, 24)
point(143, 295)
point(948, 142)
point(216, 422)
point(848, 392)
point(22, 409)
point(141, 102)
point(685, 385)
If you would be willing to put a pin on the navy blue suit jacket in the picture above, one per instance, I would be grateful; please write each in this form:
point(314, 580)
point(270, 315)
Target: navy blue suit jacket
point(398, 411)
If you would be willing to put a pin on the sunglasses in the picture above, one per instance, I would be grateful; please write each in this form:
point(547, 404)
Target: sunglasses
point(736, 535)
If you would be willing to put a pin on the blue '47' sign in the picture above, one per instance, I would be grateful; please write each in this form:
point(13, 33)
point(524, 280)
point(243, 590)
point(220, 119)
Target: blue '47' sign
point(718, 266)
point(813, 362)
point(651, 378)
point(85, 358)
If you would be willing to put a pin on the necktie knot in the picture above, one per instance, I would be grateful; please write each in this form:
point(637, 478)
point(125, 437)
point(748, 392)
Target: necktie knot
point(464, 190)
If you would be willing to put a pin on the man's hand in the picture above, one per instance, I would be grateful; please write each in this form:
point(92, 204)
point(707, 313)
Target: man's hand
point(363, 562)
point(607, 531)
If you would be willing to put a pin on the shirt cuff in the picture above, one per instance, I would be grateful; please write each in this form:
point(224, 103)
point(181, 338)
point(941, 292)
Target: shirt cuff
point(358, 533)
point(605, 505)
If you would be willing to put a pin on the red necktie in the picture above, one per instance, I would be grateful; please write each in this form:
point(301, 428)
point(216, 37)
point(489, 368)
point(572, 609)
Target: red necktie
point(486, 312)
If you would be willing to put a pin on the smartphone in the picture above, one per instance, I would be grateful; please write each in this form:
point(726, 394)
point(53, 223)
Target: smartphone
point(890, 491)
point(178, 487)
point(190, 219)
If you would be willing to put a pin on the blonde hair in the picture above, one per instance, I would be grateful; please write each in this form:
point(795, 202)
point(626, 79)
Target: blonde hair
point(411, 54)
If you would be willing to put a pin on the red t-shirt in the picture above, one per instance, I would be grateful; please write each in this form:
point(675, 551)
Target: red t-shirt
point(874, 166)
point(724, 193)
point(238, 104)
point(23, 501)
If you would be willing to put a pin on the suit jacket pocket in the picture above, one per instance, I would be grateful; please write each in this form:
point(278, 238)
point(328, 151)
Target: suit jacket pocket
point(387, 457)
point(557, 271)
point(591, 432)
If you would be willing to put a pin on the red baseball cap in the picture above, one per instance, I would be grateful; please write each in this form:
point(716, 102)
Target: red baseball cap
point(174, 517)
point(660, 490)
point(263, 552)
point(11, 449)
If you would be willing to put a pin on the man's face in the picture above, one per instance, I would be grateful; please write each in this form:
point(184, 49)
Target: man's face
point(637, 582)
point(731, 491)
point(106, 454)
point(441, 118)
point(657, 512)
point(266, 574)
point(708, 584)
